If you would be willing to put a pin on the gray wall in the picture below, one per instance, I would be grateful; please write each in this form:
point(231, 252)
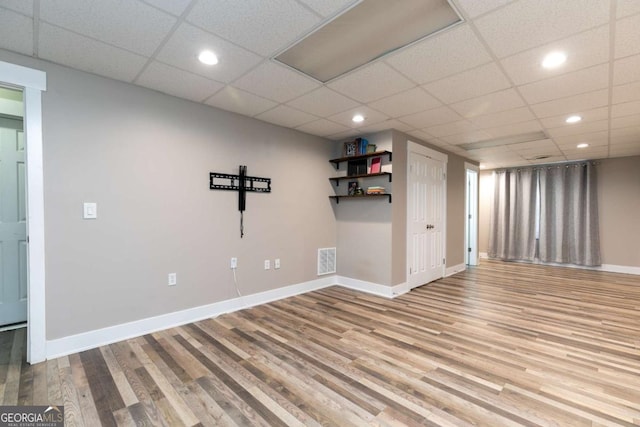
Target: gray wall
point(618, 207)
point(145, 158)
point(372, 234)
point(365, 226)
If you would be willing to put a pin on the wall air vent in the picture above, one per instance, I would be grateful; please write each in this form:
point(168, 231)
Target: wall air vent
point(326, 261)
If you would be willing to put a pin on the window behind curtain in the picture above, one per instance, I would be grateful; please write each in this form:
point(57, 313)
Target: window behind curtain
point(554, 205)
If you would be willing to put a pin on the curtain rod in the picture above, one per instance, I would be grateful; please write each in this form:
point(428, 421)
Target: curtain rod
point(549, 166)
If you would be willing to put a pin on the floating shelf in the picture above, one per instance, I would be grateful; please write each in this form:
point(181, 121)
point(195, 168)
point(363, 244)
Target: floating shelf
point(337, 179)
point(363, 196)
point(339, 160)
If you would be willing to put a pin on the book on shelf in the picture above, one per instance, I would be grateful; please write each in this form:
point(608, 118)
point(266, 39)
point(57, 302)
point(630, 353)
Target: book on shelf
point(376, 165)
point(362, 145)
point(376, 190)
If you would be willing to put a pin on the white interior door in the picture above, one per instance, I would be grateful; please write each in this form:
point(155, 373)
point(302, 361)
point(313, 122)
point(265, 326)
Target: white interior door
point(426, 219)
point(13, 227)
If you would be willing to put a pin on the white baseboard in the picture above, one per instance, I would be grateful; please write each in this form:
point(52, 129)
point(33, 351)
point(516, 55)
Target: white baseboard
point(450, 271)
point(483, 255)
point(92, 339)
point(620, 269)
point(372, 288)
point(609, 268)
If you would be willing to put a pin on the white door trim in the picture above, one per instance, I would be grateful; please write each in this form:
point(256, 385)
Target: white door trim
point(33, 82)
point(473, 258)
point(413, 147)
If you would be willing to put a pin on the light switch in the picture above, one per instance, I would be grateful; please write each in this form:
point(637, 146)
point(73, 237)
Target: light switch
point(90, 210)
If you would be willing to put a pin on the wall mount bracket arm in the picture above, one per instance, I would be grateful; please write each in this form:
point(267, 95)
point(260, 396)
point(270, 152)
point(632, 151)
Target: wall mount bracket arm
point(242, 184)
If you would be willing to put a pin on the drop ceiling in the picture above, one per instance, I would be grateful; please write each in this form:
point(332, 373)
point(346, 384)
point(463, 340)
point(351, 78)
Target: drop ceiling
point(481, 80)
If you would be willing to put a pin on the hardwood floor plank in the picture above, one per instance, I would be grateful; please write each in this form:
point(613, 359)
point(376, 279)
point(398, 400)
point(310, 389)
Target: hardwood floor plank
point(501, 344)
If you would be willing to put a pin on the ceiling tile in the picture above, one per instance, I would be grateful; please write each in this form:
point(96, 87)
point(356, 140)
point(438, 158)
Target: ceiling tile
point(626, 70)
point(407, 102)
point(422, 135)
point(533, 23)
point(323, 102)
point(631, 150)
point(469, 84)
point(371, 117)
point(372, 82)
point(532, 146)
point(239, 101)
point(329, 7)
point(260, 26)
point(488, 104)
point(346, 134)
point(387, 124)
point(433, 117)
point(586, 153)
point(466, 138)
point(17, 32)
point(506, 117)
point(461, 126)
point(441, 55)
point(173, 81)
point(593, 139)
point(322, 127)
point(627, 36)
point(174, 7)
point(286, 116)
point(579, 128)
point(626, 121)
point(130, 25)
point(626, 93)
point(276, 82)
point(588, 116)
point(585, 101)
point(474, 8)
point(627, 7)
point(182, 50)
point(627, 145)
point(88, 54)
point(583, 50)
point(513, 129)
point(575, 83)
point(625, 109)
point(24, 7)
point(625, 135)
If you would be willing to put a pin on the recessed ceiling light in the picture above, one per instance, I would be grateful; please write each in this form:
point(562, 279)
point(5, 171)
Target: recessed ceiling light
point(208, 57)
point(573, 119)
point(358, 118)
point(554, 59)
point(582, 145)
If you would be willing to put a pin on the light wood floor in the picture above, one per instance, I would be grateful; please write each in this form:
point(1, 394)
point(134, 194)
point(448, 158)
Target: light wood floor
point(498, 345)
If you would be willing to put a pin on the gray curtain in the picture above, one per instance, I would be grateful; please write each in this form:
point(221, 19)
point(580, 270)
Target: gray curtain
point(513, 215)
point(569, 215)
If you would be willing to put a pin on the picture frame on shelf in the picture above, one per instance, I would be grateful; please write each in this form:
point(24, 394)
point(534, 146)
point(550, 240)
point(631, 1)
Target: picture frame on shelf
point(350, 148)
point(353, 185)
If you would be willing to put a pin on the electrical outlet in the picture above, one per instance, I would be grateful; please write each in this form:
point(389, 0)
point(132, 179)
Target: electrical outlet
point(267, 264)
point(276, 263)
point(234, 263)
point(173, 279)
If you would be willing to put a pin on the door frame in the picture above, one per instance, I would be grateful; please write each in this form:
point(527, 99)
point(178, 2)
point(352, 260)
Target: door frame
point(33, 83)
point(413, 147)
point(471, 208)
